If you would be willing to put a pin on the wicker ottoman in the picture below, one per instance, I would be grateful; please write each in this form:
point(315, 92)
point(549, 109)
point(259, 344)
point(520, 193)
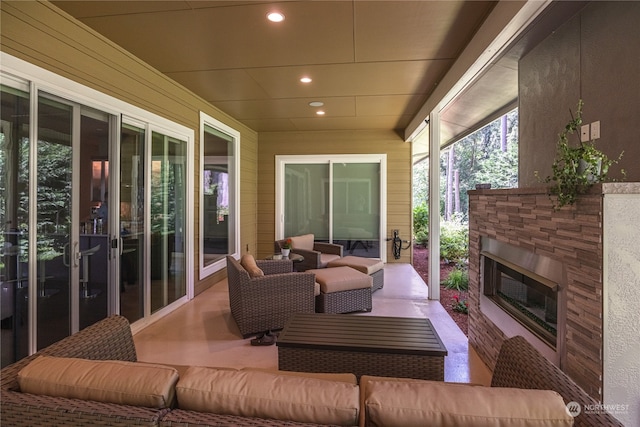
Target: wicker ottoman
point(371, 266)
point(342, 290)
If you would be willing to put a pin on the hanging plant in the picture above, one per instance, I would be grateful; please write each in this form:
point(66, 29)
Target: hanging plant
point(576, 168)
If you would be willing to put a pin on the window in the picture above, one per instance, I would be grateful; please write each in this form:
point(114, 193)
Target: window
point(339, 199)
point(219, 166)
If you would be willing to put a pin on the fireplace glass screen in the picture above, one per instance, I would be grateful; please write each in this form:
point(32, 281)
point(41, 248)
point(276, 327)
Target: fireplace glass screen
point(532, 302)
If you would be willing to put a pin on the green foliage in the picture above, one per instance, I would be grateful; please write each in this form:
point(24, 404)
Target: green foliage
point(421, 223)
point(461, 306)
point(500, 169)
point(479, 159)
point(576, 168)
point(454, 240)
point(421, 182)
point(458, 279)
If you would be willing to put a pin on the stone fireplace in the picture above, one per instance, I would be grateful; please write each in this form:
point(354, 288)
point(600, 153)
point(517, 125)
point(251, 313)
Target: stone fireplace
point(587, 255)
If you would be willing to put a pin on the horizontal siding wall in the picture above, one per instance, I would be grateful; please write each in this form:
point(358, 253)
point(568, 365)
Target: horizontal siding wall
point(272, 144)
point(40, 33)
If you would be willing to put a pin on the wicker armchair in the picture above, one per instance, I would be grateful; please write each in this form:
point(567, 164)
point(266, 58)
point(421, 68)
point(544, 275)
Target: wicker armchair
point(260, 304)
point(316, 254)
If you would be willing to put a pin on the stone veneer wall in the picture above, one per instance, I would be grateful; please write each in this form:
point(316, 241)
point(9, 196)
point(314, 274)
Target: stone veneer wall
point(524, 217)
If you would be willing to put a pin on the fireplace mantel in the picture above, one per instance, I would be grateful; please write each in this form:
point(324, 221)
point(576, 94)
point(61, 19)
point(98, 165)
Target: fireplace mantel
point(596, 240)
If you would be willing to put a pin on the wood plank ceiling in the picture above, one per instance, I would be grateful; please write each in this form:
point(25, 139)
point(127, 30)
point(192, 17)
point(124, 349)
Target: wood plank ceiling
point(373, 63)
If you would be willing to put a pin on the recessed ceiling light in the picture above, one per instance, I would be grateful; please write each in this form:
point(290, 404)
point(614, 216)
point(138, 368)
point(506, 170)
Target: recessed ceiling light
point(316, 104)
point(275, 17)
point(320, 113)
point(306, 79)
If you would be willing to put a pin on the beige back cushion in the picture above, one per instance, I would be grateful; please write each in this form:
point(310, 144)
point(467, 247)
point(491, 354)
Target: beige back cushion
point(268, 395)
point(128, 383)
point(304, 242)
point(248, 262)
point(344, 377)
point(419, 403)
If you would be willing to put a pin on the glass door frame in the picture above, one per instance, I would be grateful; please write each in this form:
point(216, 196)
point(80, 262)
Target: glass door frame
point(330, 160)
point(149, 129)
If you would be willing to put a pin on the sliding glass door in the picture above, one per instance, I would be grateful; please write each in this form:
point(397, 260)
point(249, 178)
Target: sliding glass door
point(55, 265)
point(153, 206)
point(356, 208)
point(339, 199)
point(94, 215)
point(168, 206)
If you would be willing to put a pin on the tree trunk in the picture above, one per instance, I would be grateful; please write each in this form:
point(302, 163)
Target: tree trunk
point(448, 201)
point(503, 134)
point(456, 189)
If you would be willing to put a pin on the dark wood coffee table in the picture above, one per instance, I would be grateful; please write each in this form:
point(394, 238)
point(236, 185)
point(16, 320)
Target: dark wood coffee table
point(362, 345)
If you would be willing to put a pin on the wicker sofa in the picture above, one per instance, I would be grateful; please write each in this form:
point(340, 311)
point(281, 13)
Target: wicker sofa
point(372, 401)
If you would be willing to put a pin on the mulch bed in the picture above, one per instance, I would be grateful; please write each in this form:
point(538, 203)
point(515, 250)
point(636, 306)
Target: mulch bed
point(421, 265)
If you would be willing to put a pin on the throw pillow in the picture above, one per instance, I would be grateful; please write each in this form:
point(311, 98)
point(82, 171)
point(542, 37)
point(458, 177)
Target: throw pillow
point(248, 262)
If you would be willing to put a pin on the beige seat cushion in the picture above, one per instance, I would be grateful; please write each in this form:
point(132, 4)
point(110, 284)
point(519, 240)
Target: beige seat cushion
point(304, 242)
point(364, 265)
point(248, 262)
point(269, 395)
point(341, 279)
point(419, 403)
point(127, 383)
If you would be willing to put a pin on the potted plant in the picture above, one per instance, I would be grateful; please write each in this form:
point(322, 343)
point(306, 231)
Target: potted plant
point(286, 247)
point(576, 168)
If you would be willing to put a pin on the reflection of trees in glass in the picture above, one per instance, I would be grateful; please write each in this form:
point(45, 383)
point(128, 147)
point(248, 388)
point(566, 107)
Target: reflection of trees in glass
point(163, 206)
point(20, 195)
point(54, 196)
point(216, 189)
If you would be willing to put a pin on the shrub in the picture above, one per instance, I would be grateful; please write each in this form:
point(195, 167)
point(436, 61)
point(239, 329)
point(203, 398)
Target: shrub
point(421, 224)
point(461, 306)
point(458, 279)
point(422, 238)
point(454, 240)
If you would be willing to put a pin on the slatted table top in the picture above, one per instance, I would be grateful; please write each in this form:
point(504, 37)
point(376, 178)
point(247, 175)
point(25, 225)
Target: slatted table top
point(371, 334)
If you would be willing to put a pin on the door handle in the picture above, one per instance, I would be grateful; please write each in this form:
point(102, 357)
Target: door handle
point(76, 254)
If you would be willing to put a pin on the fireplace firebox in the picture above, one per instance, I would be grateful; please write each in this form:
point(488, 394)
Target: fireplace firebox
point(524, 285)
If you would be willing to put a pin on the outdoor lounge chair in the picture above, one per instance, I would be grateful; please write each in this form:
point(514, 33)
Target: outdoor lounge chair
point(265, 293)
point(316, 254)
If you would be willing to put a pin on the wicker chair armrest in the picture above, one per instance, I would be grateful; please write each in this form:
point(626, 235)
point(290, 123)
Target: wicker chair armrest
point(275, 266)
point(108, 339)
point(275, 283)
point(520, 365)
point(311, 259)
point(328, 248)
